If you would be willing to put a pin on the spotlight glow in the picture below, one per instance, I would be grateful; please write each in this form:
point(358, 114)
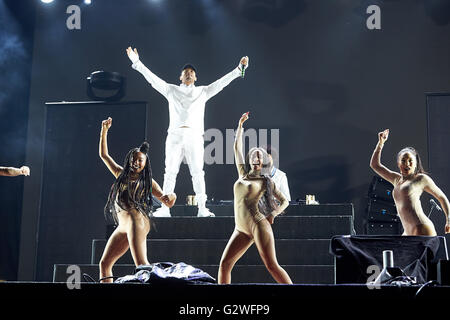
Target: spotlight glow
point(46, 1)
point(87, 1)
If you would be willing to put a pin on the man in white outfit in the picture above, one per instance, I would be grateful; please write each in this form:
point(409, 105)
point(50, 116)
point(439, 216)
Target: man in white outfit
point(186, 125)
point(279, 178)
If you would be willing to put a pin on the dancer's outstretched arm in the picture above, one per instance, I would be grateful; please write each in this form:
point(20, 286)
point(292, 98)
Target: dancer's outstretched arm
point(436, 192)
point(168, 199)
point(238, 147)
point(157, 83)
point(283, 203)
point(103, 149)
point(13, 172)
point(375, 161)
point(217, 86)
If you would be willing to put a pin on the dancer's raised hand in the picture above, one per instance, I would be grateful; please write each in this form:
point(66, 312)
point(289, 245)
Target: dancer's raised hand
point(106, 124)
point(383, 136)
point(243, 118)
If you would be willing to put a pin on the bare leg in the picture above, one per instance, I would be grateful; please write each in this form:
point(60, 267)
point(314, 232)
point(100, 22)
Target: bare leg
point(237, 245)
point(116, 246)
point(265, 243)
point(137, 228)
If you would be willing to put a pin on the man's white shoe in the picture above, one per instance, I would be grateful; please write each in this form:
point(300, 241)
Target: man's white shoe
point(162, 212)
point(204, 212)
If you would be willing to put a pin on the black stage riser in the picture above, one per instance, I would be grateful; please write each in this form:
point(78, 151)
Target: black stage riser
point(344, 209)
point(240, 274)
point(297, 252)
point(318, 227)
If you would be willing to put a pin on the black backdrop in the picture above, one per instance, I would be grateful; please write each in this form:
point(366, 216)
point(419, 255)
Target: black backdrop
point(438, 118)
point(76, 182)
point(316, 73)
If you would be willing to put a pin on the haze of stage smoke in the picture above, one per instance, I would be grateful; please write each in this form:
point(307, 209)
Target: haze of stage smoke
point(12, 51)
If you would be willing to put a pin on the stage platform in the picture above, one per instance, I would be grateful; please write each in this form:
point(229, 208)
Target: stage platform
point(302, 243)
point(303, 238)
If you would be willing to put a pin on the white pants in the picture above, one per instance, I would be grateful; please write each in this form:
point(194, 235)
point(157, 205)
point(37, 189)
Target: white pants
point(185, 143)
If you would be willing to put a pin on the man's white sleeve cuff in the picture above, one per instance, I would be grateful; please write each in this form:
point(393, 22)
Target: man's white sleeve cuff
point(135, 65)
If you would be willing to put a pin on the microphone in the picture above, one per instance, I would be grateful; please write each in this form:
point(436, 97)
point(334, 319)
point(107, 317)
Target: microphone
point(242, 70)
point(434, 204)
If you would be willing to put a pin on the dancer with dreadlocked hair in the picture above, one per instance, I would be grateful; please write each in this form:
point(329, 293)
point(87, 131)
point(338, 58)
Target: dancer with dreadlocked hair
point(253, 218)
point(129, 204)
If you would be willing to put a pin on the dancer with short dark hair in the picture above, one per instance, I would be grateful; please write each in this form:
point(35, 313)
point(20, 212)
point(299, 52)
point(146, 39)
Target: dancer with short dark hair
point(409, 184)
point(129, 204)
point(253, 218)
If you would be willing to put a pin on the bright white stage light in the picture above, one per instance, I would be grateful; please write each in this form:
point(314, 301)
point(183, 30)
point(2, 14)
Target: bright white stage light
point(46, 1)
point(87, 1)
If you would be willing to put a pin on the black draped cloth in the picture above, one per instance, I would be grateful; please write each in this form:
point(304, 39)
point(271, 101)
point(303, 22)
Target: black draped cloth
point(417, 256)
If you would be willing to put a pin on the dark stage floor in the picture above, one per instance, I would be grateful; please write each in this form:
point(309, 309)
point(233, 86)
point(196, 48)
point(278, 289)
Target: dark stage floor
point(261, 301)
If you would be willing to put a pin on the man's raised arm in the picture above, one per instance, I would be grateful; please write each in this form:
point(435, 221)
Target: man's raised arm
point(217, 86)
point(157, 83)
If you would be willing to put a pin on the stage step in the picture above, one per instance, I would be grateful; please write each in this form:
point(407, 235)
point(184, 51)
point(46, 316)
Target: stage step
point(285, 227)
point(318, 274)
point(302, 245)
point(209, 251)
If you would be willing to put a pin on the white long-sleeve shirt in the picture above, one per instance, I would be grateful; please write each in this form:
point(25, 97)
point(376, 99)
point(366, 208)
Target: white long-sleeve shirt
point(186, 103)
point(281, 182)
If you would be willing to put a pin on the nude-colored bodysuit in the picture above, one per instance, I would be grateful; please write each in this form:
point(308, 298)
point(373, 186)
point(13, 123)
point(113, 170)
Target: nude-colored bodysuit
point(247, 192)
point(407, 200)
point(122, 202)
